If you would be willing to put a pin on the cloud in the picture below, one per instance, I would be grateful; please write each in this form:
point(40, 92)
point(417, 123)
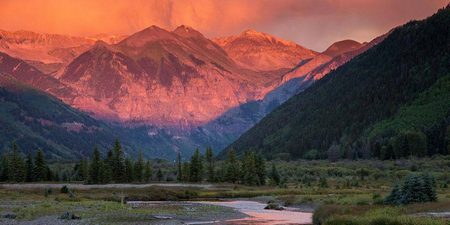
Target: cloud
point(312, 23)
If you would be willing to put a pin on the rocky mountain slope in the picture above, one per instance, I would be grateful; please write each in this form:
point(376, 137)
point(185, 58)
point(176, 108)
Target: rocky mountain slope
point(263, 52)
point(173, 78)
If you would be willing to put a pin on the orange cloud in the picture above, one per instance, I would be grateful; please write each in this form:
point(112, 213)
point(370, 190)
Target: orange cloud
point(314, 24)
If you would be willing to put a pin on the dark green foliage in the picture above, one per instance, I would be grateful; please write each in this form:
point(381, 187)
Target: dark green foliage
point(139, 168)
point(210, 164)
point(343, 106)
point(232, 167)
point(118, 163)
point(148, 173)
point(41, 169)
point(129, 176)
point(159, 175)
point(248, 169)
point(4, 167)
point(196, 169)
point(95, 168)
point(186, 171)
point(395, 197)
point(274, 176)
point(29, 169)
point(179, 167)
point(261, 172)
point(415, 189)
point(17, 168)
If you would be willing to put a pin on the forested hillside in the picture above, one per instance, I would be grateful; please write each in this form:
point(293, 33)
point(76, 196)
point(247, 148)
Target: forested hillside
point(357, 110)
point(36, 120)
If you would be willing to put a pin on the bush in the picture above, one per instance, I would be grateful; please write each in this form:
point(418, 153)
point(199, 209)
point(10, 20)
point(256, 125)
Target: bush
point(415, 189)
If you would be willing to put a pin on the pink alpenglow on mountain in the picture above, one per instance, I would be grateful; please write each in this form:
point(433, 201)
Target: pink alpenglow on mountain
point(263, 52)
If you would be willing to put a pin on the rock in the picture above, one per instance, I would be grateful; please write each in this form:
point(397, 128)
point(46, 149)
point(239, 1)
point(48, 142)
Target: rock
point(274, 206)
point(163, 217)
point(9, 216)
point(69, 216)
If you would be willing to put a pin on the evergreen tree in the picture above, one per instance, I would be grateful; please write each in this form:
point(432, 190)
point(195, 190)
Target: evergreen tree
point(179, 168)
point(83, 169)
point(274, 175)
point(129, 177)
point(4, 167)
point(210, 164)
point(395, 197)
point(261, 169)
point(148, 173)
point(430, 187)
point(40, 167)
point(17, 168)
point(249, 173)
point(95, 168)
point(105, 172)
point(186, 172)
point(413, 190)
point(160, 175)
point(139, 168)
point(30, 168)
point(232, 167)
point(196, 170)
point(118, 163)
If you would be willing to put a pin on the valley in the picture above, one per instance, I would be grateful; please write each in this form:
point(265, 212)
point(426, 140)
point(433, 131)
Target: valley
point(225, 112)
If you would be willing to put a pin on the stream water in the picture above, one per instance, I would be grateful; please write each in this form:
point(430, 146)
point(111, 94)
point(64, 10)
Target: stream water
point(258, 215)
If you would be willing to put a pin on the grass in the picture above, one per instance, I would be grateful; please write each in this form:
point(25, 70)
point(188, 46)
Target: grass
point(347, 198)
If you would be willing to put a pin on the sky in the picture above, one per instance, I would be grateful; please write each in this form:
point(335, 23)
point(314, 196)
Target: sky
point(314, 24)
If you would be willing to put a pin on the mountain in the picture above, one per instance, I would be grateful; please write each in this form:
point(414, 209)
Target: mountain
point(35, 120)
point(48, 52)
point(230, 125)
point(173, 78)
point(350, 105)
point(262, 52)
point(340, 47)
point(28, 74)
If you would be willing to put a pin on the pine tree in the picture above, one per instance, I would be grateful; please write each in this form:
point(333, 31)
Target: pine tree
point(29, 168)
point(232, 167)
point(210, 164)
point(261, 169)
point(139, 168)
point(17, 168)
point(118, 163)
point(413, 190)
point(430, 187)
point(129, 177)
point(160, 175)
point(40, 167)
point(83, 169)
point(274, 175)
point(179, 168)
point(148, 173)
point(4, 167)
point(249, 174)
point(196, 170)
point(395, 197)
point(95, 168)
point(186, 172)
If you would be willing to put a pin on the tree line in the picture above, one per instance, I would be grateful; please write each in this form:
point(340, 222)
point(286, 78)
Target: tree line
point(14, 167)
point(115, 167)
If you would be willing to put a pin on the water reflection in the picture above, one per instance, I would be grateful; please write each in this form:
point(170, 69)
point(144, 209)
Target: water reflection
point(258, 215)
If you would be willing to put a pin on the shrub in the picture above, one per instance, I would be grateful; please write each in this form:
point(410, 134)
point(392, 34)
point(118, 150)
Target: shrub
point(415, 189)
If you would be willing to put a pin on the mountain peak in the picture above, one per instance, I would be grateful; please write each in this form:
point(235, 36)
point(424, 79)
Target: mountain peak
point(186, 31)
point(146, 35)
point(340, 47)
